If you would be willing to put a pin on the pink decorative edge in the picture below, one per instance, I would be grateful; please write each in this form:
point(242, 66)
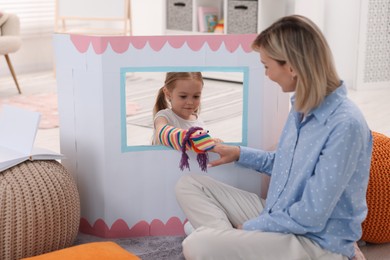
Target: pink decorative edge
point(120, 229)
point(120, 44)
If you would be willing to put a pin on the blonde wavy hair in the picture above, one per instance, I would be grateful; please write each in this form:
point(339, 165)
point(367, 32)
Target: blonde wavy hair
point(296, 40)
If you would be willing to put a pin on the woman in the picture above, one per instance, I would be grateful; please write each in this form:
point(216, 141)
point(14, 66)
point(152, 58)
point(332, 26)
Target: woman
point(319, 172)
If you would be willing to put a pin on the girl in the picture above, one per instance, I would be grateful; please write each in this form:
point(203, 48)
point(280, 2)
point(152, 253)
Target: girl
point(178, 105)
point(178, 102)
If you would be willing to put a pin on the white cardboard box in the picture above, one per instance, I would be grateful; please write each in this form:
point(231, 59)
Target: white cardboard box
point(129, 191)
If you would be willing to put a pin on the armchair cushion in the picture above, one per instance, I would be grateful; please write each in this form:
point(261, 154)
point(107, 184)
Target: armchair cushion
point(10, 25)
point(3, 18)
point(10, 40)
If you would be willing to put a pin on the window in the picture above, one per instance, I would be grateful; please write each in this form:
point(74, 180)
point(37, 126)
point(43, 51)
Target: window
point(223, 107)
point(36, 16)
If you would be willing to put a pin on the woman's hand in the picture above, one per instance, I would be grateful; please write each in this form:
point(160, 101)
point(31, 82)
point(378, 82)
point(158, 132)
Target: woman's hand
point(227, 154)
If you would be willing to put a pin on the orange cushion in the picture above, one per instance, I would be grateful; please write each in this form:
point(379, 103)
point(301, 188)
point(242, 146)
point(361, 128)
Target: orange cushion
point(376, 227)
point(89, 251)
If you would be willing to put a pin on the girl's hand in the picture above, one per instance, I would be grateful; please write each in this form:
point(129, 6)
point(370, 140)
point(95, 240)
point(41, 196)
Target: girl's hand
point(227, 154)
point(217, 140)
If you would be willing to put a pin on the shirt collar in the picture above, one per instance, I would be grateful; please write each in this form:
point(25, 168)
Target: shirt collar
point(329, 105)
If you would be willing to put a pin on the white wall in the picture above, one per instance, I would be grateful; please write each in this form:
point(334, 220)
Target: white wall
point(314, 10)
point(148, 17)
point(341, 29)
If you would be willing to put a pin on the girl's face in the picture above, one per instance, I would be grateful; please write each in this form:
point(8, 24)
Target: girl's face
point(281, 74)
point(185, 97)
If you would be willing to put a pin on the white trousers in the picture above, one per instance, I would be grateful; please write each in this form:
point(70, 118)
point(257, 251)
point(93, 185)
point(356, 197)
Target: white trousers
point(214, 209)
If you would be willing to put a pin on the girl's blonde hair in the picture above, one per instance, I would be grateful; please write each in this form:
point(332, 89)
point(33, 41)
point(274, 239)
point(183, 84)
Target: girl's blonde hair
point(296, 40)
point(170, 84)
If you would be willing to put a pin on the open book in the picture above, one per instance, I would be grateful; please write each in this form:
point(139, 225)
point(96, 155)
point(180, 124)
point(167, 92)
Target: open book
point(18, 128)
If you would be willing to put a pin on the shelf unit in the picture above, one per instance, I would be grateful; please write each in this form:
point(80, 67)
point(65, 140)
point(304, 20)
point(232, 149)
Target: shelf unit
point(181, 16)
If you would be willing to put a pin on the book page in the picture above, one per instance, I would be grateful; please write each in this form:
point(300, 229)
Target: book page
point(10, 157)
point(18, 129)
point(39, 153)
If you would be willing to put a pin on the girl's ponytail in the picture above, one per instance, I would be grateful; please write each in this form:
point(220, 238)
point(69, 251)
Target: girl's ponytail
point(161, 102)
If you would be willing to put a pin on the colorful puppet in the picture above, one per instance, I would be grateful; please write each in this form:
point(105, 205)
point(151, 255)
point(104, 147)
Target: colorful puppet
point(195, 139)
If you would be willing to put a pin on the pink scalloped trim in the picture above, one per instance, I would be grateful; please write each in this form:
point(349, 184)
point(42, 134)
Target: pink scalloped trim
point(173, 227)
point(120, 44)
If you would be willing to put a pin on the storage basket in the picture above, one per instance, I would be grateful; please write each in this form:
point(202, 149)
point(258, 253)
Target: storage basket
point(179, 15)
point(242, 17)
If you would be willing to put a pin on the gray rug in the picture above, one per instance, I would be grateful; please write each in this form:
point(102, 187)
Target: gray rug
point(147, 248)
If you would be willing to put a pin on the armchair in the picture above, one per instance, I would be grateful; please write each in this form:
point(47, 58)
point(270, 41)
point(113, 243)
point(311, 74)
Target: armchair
point(10, 40)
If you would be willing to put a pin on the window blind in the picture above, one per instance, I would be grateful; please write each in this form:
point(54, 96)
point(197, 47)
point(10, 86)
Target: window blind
point(36, 16)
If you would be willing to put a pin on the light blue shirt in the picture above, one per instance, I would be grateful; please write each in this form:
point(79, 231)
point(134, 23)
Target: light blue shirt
point(319, 175)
